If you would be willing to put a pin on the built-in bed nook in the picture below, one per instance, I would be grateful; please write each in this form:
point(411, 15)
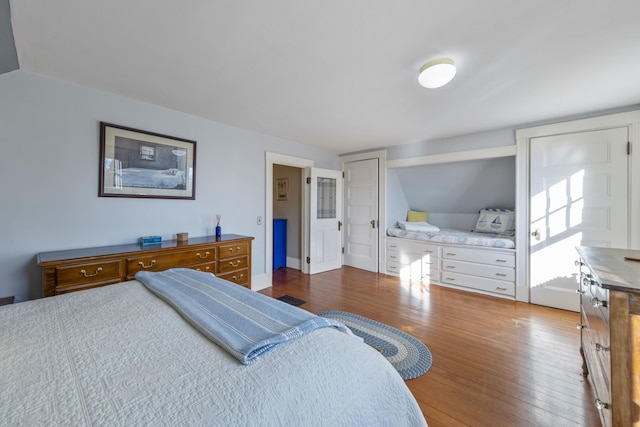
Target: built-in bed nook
point(450, 220)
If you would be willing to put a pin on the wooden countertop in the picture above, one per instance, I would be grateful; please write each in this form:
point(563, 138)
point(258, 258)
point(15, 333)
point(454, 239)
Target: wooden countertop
point(611, 268)
point(45, 257)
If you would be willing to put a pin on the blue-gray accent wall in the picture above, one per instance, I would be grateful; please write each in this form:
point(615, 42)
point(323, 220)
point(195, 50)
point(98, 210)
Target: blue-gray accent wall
point(8, 54)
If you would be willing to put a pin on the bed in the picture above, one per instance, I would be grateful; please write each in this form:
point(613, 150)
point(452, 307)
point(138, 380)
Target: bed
point(121, 355)
point(494, 228)
point(455, 236)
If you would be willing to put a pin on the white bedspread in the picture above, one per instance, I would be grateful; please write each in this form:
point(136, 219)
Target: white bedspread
point(120, 356)
point(459, 237)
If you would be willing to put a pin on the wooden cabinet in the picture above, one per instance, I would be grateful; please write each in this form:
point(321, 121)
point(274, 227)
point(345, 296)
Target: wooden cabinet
point(411, 259)
point(228, 257)
point(234, 262)
point(610, 331)
point(486, 270)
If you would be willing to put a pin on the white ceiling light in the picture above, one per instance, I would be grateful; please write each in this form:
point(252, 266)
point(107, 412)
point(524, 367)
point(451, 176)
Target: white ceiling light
point(437, 73)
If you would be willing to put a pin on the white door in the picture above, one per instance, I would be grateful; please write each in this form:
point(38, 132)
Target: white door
point(325, 243)
point(578, 196)
point(361, 214)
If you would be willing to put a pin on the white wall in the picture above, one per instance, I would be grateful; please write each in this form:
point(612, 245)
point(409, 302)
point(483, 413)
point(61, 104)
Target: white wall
point(49, 141)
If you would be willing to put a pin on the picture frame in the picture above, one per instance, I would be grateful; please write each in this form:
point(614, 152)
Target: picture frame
point(141, 164)
point(282, 189)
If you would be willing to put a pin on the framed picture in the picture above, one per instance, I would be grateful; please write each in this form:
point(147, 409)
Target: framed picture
point(282, 189)
point(136, 163)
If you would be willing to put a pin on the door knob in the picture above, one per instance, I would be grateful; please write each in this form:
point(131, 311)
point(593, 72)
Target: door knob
point(339, 225)
point(536, 233)
point(373, 223)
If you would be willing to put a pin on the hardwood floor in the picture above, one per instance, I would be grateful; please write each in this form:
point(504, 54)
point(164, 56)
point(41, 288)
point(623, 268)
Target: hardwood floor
point(495, 362)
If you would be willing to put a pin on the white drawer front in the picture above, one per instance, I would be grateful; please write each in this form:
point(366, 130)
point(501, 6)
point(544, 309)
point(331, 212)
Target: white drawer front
point(405, 271)
point(484, 270)
point(481, 283)
point(413, 247)
point(480, 256)
point(393, 256)
point(393, 267)
point(430, 268)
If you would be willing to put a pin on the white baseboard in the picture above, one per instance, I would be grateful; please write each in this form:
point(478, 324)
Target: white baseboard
point(261, 281)
point(294, 263)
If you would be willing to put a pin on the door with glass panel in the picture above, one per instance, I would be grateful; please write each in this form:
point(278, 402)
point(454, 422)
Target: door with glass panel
point(325, 242)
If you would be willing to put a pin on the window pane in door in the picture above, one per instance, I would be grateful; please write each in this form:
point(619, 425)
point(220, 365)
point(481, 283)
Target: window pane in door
point(326, 198)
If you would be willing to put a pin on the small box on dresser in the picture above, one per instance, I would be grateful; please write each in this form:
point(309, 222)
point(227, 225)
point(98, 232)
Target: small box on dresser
point(610, 331)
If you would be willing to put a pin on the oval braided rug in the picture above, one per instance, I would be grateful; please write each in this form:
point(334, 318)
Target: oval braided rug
point(408, 355)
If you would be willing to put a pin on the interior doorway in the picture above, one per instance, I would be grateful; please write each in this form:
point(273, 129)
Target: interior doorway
point(287, 216)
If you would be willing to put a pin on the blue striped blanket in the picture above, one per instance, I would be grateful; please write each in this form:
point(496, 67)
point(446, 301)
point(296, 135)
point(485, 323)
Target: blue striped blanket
point(247, 324)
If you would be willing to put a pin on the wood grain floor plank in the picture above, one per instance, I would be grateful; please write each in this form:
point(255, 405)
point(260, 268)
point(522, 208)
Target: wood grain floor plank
point(496, 362)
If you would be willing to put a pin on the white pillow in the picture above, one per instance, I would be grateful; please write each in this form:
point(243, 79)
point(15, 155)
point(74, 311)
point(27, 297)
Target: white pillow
point(417, 226)
point(495, 221)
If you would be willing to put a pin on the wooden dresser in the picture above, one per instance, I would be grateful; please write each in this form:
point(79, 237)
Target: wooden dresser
point(228, 257)
point(610, 331)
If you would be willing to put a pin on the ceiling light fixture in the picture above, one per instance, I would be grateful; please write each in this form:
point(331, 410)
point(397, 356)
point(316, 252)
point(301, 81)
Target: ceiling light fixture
point(436, 73)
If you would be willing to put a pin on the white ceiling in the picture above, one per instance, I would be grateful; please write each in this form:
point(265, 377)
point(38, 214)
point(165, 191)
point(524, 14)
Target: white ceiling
point(343, 74)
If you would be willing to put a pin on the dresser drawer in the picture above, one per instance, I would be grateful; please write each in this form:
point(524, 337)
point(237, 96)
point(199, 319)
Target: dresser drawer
point(96, 273)
point(480, 283)
point(232, 264)
point(240, 277)
point(160, 262)
point(209, 267)
point(233, 250)
point(483, 270)
point(413, 247)
point(599, 366)
point(480, 256)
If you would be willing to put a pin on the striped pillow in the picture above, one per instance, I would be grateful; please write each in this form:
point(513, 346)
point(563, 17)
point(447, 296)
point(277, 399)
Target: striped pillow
point(495, 221)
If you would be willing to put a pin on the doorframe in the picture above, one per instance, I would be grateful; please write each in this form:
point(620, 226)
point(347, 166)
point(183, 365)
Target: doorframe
point(630, 119)
point(381, 155)
point(284, 160)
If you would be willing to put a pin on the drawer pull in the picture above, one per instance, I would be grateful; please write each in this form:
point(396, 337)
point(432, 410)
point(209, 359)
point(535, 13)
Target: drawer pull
point(501, 260)
point(600, 347)
point(451, 254)
point(206, 269)
point(451, 267)
point(236, 264)
point(427, 251)
point(84, 272)
point(580, 326)
point(498, 288)
point(500, 274)
point(393, 256)
point(238, 278)
point(206, 255)
point(579, 291)
point(232, 250)
point(601, 405)
point(597, 303)
point(449, 278)
point(151, 264)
